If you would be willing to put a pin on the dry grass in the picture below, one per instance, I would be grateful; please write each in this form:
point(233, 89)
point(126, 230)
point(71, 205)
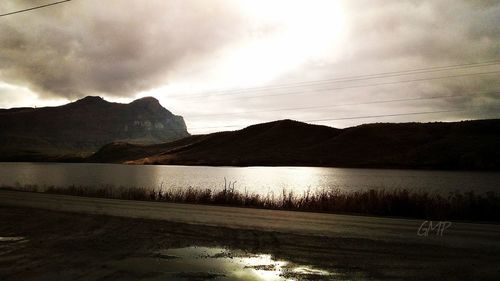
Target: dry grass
point(395, 203)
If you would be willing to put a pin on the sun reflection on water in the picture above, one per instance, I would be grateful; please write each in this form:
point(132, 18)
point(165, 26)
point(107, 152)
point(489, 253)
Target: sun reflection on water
point(202, 263)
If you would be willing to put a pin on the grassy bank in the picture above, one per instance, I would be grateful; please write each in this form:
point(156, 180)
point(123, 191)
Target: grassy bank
point(396, 203)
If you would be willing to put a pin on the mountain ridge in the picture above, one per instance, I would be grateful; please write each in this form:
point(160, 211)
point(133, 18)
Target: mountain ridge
point(464, 145)
point(81, 127)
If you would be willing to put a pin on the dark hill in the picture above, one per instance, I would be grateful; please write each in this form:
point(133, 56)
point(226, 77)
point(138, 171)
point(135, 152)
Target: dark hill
point(83, 126)
point(278, 140)
point(456, 145)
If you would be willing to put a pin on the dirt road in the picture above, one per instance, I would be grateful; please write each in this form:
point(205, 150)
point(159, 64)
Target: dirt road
point(361, 248)
point(464, 235)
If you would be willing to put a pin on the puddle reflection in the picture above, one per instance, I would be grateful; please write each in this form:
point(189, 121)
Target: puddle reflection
point(12, 239)
point(203, 263)
point(9, 245)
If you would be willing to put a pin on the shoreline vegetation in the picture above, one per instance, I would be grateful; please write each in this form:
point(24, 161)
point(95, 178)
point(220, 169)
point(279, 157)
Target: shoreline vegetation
point(466, 206)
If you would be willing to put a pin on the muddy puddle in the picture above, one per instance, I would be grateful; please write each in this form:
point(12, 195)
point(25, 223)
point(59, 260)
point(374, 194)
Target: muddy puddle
point(8, 245)
point(204, 263)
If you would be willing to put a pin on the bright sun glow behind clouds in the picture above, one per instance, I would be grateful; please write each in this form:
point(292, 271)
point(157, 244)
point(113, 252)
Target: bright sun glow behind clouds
point(287, 34)
point(283, 35)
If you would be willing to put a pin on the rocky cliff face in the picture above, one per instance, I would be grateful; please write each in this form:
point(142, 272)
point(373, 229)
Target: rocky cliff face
point(84, 126)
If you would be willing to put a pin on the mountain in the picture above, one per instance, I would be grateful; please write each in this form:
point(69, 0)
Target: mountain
point(82, 127)
point(468, 145)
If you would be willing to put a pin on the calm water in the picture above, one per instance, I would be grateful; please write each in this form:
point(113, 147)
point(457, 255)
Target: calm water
point(253, 179)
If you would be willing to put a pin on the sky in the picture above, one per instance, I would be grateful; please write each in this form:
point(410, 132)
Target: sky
point(227, 64)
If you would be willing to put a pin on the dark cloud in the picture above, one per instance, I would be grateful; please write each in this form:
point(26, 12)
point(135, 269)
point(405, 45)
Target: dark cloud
point(440, 30)
point(114, 47)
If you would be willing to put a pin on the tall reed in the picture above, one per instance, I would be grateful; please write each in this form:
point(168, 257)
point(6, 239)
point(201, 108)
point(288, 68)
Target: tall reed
point(398, 203)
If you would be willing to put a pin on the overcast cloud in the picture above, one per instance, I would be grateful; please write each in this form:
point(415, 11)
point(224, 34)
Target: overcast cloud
point(177, 49)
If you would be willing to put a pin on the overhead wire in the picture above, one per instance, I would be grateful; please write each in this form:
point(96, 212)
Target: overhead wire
point(335, 105)
point(337, 80)
point(33, 8)
point(315, 91)
point(349, 118)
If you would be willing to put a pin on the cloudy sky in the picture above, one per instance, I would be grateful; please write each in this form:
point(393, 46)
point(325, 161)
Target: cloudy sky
point(225, 64)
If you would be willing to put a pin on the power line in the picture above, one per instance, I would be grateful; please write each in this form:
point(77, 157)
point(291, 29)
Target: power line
point(336, 119)
point(359, 86)
point(350, 118)
point(337, 105)
point(344, 79)
point(384, 115)
point(33, 8)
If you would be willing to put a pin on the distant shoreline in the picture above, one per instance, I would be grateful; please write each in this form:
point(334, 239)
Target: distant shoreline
point(378, 167)
point(440, 146)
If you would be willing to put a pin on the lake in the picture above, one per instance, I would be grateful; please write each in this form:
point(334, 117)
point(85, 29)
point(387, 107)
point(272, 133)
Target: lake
point(253, 179)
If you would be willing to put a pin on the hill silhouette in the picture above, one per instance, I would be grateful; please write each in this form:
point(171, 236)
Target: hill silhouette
point(82, 127)
point(468, 145)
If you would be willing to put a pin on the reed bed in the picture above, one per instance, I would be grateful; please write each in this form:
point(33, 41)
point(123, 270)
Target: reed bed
point(471, 206)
